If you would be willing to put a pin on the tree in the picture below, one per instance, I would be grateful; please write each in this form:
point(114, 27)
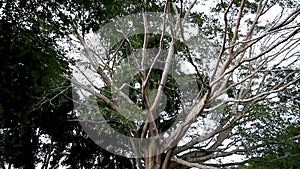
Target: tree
point(248, 94)
point(281, 133)
point(37, 122)
point(255, 61)
point(31, 69)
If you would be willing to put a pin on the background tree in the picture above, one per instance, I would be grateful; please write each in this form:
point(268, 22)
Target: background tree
point(31, 74)
point(37, 121)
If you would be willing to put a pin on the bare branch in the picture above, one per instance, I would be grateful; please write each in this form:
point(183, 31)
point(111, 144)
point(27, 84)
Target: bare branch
point(165, 71)
point(183, 127)
point(237, 25)
point(95, 93)
point(223, 40)
point(189, 164)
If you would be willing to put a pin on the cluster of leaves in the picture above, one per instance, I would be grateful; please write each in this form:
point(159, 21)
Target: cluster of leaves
point(31, 75)
point(37, 124)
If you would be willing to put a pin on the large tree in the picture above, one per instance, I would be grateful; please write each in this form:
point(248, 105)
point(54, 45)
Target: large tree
point(241, 94)
point(246, 65)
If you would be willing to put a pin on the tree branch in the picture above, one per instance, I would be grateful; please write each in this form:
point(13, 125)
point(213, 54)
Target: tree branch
point(189, 164)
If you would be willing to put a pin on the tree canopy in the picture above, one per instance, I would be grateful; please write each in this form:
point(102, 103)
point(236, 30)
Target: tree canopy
point(208, 84)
